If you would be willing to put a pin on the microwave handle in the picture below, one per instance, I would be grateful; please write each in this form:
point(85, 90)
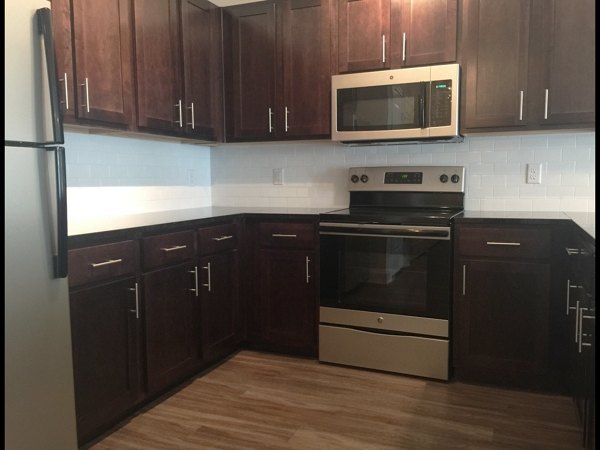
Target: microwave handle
point(422, 105)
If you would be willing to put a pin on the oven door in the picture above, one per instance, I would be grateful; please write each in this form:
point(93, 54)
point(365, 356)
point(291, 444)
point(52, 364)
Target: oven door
point(402, 270)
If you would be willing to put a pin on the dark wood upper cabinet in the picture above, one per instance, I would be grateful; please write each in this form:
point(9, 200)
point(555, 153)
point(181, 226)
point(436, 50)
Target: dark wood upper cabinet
point(63, 47)
point(277, 70)
point(391, 34)
point(423, 32)
point(495, 46)
point(564, 67)
point(527, 65)
point(103, 61)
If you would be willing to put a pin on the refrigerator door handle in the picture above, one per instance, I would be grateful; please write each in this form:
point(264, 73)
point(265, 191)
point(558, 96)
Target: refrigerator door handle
point(44, 17)
point(61, 267)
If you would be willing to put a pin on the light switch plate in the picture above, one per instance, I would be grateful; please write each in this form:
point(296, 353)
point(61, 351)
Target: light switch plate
point(534, 173)
point(278, 175)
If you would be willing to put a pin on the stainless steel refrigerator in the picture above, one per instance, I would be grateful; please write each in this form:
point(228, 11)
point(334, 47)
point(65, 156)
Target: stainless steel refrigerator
point(39, 403)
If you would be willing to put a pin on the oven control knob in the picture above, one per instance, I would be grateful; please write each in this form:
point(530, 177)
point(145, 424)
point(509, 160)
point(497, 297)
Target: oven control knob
point(455, 178)
point(354, 178)
point(444, 178)
point(364, 178)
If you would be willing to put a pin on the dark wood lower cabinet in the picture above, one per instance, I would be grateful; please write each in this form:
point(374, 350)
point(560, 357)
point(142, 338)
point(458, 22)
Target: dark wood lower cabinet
point(221, 319)
point(105, 338)
point(288, 300)
point(172, 326)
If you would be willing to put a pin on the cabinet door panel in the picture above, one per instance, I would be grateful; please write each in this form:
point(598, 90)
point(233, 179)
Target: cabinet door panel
point(289, 299)
point(430, 30)
point(306, 69)
point(171, 347)
point(102, 33)
point(568, 52)
point(105, 356)
point(253, 29)
point(362, 24)
point(158, 64)
point(501, 322)
point(495, 58)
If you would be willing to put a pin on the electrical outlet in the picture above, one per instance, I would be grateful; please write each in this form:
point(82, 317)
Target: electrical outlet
point(534, 173)
point(278, 175)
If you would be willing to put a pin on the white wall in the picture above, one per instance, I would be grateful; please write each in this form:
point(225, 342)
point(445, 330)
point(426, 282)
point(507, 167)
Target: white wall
point(315, 173)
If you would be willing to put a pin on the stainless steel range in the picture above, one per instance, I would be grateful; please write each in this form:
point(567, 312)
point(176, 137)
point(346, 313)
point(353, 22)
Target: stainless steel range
point(385, 290)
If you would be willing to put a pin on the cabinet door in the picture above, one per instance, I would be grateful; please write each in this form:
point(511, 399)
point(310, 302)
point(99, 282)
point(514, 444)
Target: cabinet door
point(104, 333)
point(566, 94)
point(501, 316)
point(495, 57)
point(219, 277)
point(251, 106)
point(200, 29)
point(363, 35)
point(306, 69)
point(288, 294)
point(61, 30)
point(160, 102)
point(102, 40)
point(172, 339)
point(423, 32)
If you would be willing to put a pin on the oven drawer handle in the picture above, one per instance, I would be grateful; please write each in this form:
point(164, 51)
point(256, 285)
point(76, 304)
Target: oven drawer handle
point(508, 244)
point(284, 235)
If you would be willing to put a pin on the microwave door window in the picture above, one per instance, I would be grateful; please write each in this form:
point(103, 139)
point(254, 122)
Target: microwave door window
point(392, 107)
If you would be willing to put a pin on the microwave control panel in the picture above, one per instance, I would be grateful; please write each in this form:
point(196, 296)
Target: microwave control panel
point(441, 103)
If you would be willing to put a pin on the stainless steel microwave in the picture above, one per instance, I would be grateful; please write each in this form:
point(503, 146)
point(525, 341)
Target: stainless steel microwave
point(396, 106)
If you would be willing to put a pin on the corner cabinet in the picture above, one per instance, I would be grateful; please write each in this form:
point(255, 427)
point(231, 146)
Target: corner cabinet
point(177, 67)
point(391, 34)
point(95, 61)
point(276, 56)
point(527, 65)
point(502, 307)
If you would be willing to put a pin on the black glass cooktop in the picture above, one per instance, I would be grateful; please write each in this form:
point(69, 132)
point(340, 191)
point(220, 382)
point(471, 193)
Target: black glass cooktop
point(392, 216)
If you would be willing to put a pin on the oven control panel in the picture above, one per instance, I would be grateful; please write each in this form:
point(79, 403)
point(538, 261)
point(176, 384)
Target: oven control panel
point(407, 178)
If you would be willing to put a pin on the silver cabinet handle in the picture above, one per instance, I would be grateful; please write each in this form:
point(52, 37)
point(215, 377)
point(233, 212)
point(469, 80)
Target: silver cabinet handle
point(383, 48)
point(569, 287)
point(137, 301)
point(106, 263)
point(193, 123)
point(222, 238)
point(581, 334)
point(464, 280)
point(207, 268)
point(180, 121)
point(546, 105)
point(66, 102)
point(509, 244)
point(87, 94)
point(577, 322)
point(307, 275)
point(521, 106)
point(195, 272)
point(403, 46)
point(287, 111)
point(270, 120)
point(176, 247)
point(572, 251)
point(284, 235)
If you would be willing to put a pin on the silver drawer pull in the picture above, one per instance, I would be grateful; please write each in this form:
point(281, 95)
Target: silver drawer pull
point(195, 273)
point(106, 263)
point(222, 238)
point(510, 244)
point(177, 247)
point(137, 301)
point(207, 268)
point(572, 251)
point(284, 235)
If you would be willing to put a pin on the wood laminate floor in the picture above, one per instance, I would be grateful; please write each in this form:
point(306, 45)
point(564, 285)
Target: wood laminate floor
point(265, 401)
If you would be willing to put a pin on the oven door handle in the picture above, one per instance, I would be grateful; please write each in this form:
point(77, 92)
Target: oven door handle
point(391, 231)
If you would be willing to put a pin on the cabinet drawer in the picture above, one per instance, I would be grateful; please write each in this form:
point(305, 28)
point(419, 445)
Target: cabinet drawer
point(287, 235)
point(507, 242)
point(101, 262)
point(168, 249)
point(217, 238)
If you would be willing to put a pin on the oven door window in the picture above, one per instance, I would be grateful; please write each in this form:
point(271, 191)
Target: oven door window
point(374, 108)
point(389, 275)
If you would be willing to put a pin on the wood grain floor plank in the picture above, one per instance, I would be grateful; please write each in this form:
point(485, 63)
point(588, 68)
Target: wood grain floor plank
point(265, 401)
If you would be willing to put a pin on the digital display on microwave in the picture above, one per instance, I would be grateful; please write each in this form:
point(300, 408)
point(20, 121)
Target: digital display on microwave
point(403, 178)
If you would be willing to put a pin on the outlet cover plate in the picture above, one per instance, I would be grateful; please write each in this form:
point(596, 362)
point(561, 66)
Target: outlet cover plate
point(278, 176)
point(534, 173)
